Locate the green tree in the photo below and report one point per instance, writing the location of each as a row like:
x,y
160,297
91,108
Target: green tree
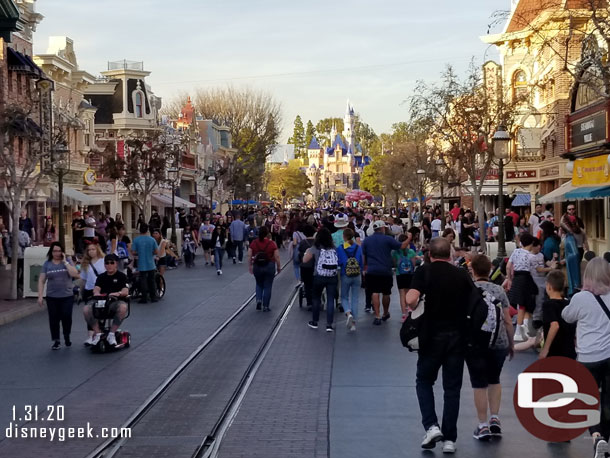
x,y
371,179
366,136
298,138
324,127
288,178
310,132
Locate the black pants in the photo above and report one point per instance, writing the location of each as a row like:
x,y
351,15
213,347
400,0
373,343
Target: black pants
x,y
307,277
446,350
601,372
147,285
60,310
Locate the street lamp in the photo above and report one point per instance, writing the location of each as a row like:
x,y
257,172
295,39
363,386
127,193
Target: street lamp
x,y
421,175
211,184
304,194
441,167
60,164
173,174
248,189
501,140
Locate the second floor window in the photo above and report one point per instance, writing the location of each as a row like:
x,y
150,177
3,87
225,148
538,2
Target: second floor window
x,y
520,90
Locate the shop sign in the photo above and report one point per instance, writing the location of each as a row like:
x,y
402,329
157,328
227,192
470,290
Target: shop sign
x,y
550,172
588,131
513,174
592,171
101,187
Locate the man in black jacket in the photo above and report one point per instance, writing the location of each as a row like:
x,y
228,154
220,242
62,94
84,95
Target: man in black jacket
x,y
442,340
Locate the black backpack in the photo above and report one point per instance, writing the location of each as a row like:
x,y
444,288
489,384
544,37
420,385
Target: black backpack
x,y
260,258
476,316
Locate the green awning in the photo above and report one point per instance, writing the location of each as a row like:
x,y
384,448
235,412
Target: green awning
x,y
597,192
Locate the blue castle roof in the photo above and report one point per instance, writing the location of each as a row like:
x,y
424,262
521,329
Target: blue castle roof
x,y
338,141
314,143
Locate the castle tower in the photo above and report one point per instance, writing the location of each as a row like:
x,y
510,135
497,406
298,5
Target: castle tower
x,y
313,152
348,128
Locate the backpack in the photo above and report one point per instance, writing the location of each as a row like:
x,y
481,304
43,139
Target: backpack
x,y
480,305
491,326
405,266
352,267
260,258
302,248
327,263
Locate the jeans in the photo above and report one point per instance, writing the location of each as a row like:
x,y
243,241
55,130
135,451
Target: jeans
x,y
147,284
353,284
239,244
319,283
60,310
264,282
445,350
297,271
601,373
218,254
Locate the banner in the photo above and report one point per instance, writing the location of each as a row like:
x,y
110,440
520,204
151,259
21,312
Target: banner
x,y
592,171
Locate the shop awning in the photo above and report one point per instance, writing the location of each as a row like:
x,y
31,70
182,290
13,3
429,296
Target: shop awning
x,y
557,195
521,200
74,197
492,189
588,193
166,201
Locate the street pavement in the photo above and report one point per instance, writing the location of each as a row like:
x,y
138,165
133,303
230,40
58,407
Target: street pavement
x,y
316,394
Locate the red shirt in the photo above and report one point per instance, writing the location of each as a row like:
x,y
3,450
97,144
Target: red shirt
x,y
455,212
268,246
515,218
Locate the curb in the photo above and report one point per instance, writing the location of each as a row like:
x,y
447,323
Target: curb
x,y
19,312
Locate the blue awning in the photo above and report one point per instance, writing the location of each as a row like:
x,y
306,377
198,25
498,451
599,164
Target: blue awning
x,y
521,200
597,192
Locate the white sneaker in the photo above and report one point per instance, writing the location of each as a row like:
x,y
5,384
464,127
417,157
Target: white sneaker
x,y
111,339
448,447
95,339
220,272
352,328
350,320
519,334
601,448
433,435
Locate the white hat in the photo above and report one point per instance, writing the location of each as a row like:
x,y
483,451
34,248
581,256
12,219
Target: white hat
x,y
341,220
378,224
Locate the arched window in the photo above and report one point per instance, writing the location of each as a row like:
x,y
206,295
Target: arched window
x,y
520,90
139,105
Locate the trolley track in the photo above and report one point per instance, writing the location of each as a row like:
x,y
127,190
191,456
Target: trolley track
x,y
207,447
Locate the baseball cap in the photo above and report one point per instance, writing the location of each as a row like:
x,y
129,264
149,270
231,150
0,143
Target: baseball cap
x,y
111,257
378,224
341,220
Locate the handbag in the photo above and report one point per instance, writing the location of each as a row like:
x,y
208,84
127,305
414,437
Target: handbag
x,y
409,331
411,327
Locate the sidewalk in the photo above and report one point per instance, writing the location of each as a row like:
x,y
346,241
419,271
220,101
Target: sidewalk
x,y
15,310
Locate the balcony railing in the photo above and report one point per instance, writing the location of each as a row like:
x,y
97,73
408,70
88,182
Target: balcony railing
x,y
126,65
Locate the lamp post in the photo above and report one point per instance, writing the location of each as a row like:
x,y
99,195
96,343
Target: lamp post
x,y
211,184
421,174
173,173
501,140
441,167
60,164
248,189
304,194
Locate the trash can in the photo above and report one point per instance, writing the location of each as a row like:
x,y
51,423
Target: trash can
x,y
33,259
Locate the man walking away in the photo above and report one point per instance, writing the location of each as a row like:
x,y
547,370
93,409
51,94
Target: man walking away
x,y
377,255
237,230
146,248
442,340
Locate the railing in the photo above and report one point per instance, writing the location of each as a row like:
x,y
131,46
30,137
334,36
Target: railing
x,y
528,158
125,65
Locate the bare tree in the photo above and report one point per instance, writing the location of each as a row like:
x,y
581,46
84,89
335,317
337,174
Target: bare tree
x,y
174,105
254,120
463,116
21,155
142,168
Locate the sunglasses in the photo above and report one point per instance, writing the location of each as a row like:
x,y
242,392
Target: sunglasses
x,y
109,262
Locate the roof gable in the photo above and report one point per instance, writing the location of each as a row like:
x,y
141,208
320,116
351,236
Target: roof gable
x,y
527,11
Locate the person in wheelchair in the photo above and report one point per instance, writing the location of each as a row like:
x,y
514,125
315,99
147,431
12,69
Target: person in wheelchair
x,y
110,283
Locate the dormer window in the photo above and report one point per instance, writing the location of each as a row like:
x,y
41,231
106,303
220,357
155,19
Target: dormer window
x,y
139,105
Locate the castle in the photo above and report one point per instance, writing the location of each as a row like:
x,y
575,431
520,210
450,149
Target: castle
x,y
336,169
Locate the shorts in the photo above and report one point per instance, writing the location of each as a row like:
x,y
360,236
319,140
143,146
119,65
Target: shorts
x,y
404,281
162,261
485,366
379,283
206,244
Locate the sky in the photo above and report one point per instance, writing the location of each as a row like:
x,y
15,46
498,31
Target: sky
x,y
311,56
